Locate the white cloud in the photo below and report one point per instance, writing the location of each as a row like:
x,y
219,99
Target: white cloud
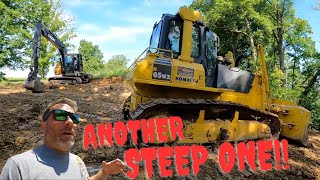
x,y
89,28
67,16
113,33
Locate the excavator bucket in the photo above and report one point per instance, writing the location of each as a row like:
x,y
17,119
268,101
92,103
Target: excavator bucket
x,y
35,85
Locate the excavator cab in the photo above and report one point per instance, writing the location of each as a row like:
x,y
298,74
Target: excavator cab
x,y
73,64
71,69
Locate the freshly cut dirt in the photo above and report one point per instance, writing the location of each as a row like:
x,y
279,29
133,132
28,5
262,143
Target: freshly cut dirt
x,y
101,101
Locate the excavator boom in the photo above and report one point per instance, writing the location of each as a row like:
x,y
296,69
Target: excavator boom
x,y
33,82
69,69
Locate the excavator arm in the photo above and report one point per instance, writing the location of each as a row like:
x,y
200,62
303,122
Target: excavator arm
x,y
33,81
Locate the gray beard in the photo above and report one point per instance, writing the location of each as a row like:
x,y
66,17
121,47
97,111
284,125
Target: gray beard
x,y
65,144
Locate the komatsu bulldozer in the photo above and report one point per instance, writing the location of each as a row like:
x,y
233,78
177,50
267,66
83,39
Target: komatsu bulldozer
x,y
70,66
182,75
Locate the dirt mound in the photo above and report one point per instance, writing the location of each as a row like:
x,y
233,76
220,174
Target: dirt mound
x,y
102,100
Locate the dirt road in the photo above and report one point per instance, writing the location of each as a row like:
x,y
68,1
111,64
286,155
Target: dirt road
x,y
101,101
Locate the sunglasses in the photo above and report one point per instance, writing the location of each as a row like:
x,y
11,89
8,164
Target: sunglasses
x,y
62,115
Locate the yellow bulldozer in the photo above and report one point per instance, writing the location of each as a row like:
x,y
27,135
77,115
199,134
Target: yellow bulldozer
x,y
182,75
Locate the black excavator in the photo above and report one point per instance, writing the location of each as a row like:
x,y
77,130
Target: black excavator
x,y
68,70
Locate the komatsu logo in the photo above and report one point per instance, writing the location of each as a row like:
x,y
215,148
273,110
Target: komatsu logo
x,y
185,79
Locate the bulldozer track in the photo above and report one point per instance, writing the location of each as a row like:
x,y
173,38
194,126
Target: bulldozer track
x,y
156,104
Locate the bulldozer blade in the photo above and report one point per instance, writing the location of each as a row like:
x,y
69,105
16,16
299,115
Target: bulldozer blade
x,y
295,121
36,86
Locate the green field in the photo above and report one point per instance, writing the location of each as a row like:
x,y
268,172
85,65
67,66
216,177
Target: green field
x,y
13,80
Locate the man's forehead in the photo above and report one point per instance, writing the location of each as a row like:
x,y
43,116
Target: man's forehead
x,y
62,106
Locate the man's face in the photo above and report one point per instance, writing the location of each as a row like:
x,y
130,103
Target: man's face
x,y
59,135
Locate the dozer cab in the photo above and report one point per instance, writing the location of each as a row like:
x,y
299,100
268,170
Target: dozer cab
x,y
182,75
70,66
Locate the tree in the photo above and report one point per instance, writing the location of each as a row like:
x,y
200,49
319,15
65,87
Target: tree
x,y
281,14
312,102
16,31
299,46
312,72
116,66
92,56
118,61
292,43
238,24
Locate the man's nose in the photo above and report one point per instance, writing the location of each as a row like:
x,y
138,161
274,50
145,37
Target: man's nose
x,y
69,122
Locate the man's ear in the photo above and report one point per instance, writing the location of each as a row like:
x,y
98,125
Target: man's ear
x,y
43,125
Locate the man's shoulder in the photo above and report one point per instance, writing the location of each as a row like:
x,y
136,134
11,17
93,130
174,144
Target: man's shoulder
x,y
23,156
78,160
76,157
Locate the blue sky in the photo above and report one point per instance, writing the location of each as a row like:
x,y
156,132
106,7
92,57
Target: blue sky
x,y
304,10
118,27
124,26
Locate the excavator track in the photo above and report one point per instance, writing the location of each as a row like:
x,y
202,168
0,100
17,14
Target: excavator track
x,y
187,107
65,80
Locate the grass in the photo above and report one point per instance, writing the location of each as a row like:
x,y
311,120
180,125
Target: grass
x,y
15,80
108,73
12,80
